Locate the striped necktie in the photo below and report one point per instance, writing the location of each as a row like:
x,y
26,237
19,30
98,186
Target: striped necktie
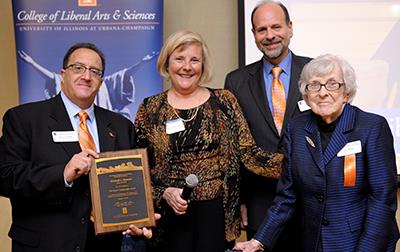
x,y
278,98
85,138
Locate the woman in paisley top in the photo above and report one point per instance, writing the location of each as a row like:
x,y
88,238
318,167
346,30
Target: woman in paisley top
x,y
190,129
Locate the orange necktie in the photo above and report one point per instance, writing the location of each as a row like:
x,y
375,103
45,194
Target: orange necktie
x,y
85,138
278,98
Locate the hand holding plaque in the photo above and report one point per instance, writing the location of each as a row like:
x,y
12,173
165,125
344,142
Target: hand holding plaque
x,y
121,191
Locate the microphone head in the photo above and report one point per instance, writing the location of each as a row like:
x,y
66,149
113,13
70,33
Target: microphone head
x,y
191,181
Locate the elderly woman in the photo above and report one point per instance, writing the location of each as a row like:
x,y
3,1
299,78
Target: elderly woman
x,y
190,129
339,170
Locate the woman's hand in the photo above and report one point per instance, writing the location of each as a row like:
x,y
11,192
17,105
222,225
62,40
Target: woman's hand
x,y
173,197
249,246
146,232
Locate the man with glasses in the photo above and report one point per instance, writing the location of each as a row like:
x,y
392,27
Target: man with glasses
x,y
44,162
253,87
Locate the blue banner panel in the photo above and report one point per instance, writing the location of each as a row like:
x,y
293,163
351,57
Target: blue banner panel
x,y
129,32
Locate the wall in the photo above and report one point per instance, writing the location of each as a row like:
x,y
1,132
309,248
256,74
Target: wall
x,y
216,21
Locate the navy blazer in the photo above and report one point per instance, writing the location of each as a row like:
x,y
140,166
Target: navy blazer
x,y
46,215
356,218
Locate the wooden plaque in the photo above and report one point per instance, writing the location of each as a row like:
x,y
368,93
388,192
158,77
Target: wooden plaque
x,y
121,191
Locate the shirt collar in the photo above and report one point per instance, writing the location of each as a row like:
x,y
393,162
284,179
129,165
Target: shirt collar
x,y
73,109
284,64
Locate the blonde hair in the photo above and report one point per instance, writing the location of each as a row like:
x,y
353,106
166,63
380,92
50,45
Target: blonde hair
x,y
179,41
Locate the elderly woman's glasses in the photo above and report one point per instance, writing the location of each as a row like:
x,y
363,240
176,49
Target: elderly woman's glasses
x,y
330,86
81,69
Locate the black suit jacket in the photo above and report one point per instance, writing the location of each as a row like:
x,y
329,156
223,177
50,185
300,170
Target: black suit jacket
x,y
47,216
248,85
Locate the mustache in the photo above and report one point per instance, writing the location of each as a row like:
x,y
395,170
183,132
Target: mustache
x,y
267,42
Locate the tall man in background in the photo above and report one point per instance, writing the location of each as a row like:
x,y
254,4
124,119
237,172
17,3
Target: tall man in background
x,y
44,159
268,94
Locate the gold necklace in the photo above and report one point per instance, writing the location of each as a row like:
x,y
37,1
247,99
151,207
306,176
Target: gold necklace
x,y
187,120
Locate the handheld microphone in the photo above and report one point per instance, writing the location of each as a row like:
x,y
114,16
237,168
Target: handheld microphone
x,y
191,182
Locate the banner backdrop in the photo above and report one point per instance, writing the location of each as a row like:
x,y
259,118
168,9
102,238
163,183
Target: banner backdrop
x,y
129,32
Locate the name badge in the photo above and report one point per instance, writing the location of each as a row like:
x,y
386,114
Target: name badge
x,y
174,126
303,106
350,170
350,148
64,136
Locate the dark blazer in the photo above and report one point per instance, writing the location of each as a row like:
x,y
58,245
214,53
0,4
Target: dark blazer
x,y
46,215
355,218
247,84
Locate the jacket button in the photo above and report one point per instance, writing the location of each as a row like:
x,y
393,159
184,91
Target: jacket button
x,y
83,220
325,222
77,248
320,198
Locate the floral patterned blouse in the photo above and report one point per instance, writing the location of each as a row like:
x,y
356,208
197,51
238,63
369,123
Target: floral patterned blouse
x,y
215,141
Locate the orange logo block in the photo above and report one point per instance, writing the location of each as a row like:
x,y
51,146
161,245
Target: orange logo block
x,y
87,2
124,210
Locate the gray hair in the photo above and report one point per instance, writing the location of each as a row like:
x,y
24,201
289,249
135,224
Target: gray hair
x,y
324,65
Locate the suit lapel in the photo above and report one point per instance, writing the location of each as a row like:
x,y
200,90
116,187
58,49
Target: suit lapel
x,y
294,94
59,121
339,138
313,140
257,88
107,135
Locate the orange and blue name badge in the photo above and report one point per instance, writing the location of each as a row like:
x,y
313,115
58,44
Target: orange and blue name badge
x,y
349,152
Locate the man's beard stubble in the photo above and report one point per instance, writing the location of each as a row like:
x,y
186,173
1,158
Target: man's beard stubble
x,y
272,54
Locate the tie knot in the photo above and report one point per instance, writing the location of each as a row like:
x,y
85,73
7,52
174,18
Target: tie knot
x,y
83,116
276,71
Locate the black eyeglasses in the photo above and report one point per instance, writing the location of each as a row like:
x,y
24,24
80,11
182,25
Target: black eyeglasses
x,y
81,69
330,86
